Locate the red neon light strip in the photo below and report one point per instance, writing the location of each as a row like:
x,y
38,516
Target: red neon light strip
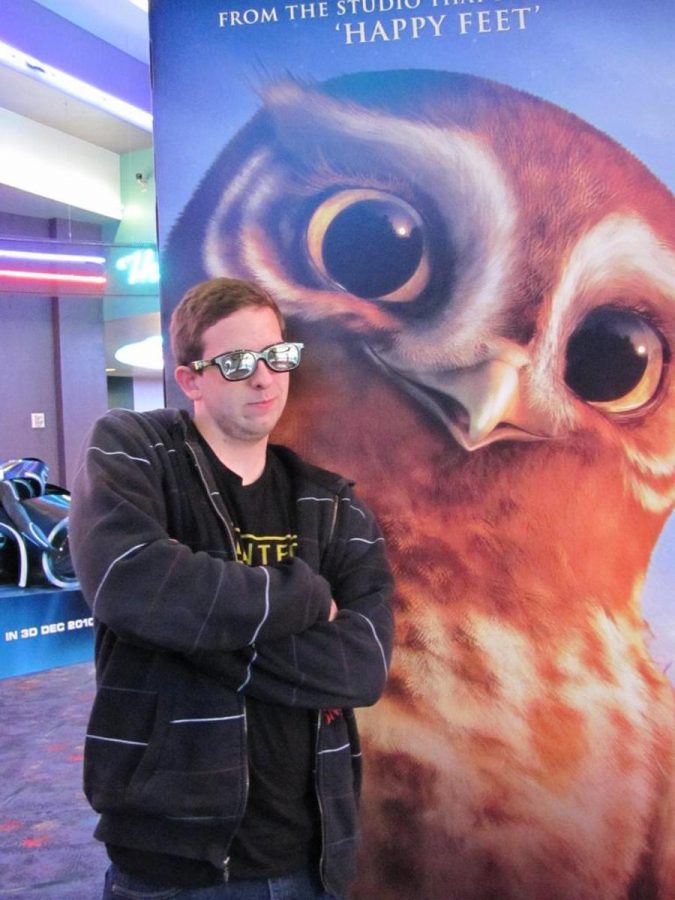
x,y
52,276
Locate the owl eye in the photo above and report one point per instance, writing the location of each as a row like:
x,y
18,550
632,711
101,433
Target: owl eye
x,y
371,244
616,360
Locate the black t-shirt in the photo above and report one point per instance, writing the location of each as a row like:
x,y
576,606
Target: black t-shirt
x,y
280,831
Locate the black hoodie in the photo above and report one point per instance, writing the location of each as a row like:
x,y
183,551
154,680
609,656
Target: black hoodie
x,y
184,633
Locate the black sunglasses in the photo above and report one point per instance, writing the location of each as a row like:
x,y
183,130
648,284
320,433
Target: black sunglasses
x,y
237,365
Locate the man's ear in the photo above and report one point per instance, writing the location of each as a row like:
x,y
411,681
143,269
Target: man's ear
x,y
188,381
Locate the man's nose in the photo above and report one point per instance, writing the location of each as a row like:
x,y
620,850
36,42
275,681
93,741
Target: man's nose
x,y
262,377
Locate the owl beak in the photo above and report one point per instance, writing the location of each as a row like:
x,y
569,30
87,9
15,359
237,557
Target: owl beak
x,y
490,406
479,404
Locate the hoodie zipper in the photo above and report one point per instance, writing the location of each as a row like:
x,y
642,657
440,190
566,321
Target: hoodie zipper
x,y
247,776
247,784
336,506
228,528
322,815
327,549
318,797
219,512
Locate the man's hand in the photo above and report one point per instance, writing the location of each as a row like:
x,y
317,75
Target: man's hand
x,y
333,611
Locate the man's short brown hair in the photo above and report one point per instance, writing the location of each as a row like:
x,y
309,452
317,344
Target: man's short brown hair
x,y
207,303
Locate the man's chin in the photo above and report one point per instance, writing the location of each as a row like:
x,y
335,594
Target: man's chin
x,y
257,431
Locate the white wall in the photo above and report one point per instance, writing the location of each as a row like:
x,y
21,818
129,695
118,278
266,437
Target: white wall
x,y
43,161
148,393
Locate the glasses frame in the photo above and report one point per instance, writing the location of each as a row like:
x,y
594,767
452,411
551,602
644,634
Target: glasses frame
x,y
200,364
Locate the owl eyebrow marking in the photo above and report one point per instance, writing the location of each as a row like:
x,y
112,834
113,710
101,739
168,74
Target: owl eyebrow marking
x,y
661,466
651,499
605,263
456,168
241,182
213,251
606,259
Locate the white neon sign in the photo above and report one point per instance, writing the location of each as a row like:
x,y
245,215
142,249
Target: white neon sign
x,y
139,267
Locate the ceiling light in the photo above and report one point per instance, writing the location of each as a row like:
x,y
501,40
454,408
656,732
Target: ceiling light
x,y
52,268
145,354
30,255
56,277
68,84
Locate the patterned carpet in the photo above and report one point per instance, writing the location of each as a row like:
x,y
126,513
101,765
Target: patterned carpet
x,y
47,851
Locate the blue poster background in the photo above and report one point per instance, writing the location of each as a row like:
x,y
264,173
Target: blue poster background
x,y
610,63
525,745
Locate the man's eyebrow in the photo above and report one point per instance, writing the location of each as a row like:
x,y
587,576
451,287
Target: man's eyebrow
x,y
251,350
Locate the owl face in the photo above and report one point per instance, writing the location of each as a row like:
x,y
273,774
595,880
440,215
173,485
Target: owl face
x,y
510,269
485,286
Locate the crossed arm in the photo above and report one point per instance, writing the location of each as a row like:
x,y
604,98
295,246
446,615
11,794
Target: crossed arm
x,y
340,663
266,631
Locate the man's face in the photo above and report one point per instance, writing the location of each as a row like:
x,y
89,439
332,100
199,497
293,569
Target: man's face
x,y
239,411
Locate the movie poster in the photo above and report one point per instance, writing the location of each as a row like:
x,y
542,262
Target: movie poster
x,y
464,209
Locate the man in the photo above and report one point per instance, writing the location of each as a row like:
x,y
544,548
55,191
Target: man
x,y
241,604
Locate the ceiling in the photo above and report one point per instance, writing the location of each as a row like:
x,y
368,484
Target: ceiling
x,y
42,103
121,25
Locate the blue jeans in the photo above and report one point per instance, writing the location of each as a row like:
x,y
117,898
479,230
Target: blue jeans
x,y
303,885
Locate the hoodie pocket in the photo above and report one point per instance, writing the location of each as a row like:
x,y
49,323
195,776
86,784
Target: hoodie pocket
x,y
120,731
200,770
149,754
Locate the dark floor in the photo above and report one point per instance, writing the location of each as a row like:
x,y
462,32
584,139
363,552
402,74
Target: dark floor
x,y
46,825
